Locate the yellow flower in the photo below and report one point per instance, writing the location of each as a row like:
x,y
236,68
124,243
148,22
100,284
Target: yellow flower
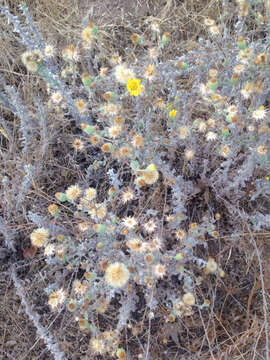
x,y
173,113
134,87
151,167
149,175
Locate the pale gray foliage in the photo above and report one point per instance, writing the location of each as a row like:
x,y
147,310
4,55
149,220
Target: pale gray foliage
x,y
50,341
8,234
128,305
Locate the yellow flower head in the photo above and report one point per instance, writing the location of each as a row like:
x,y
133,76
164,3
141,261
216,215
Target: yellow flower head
x,y
173,113
150,174
134,87
151,167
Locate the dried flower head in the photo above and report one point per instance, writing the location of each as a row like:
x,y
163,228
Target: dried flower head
x,y
180,234
140,181
189,299
81,106
263,129
211,122
121,354
94,140
115,59
57,298
79,287
155,245
118,120
114,131
261,59
125,151
70,53
202,126
211,136
150,73
123,74
149,258
137,141
150,226
203,89
182,309
83,226
159,271
107,147
78,144
101,211
251,128
135,38
225,150
73,192
214,30
129,222
213,73
98,345
127,195
183,132
32,59
153,53
39,237
134,244
247,90
211,266
189,154
57,97
103,71
262,150
238,69
209,22
243,7
259,114
53,209
110,109
49,51
232,110
117,275
49,250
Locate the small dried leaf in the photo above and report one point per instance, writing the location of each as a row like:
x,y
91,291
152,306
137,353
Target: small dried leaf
x,y
30,253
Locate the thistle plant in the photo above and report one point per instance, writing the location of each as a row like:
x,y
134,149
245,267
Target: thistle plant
x,y
181,157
